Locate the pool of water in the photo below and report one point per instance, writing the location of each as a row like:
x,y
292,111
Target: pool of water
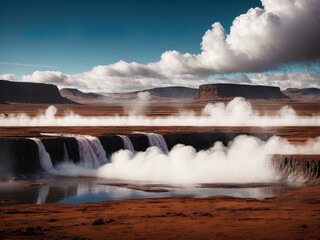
x,y
88,190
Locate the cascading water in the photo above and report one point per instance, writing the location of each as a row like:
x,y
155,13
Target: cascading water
x,y
127,143
239,161
158,141
98,149
66,155
92,154
44,158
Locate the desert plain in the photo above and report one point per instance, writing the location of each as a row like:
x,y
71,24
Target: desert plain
x,y
291,213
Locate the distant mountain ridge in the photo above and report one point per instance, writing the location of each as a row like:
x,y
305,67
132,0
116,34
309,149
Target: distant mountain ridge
x,y
77,93
172,92
222,91
27,92
40,93
310,93
81,97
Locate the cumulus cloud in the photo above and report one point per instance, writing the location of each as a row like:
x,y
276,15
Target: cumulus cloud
x,y
282,31
7,76
282,80
54,77
289,80
124,69
95,80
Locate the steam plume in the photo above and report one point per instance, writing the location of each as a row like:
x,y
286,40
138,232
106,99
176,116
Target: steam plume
x,y
246,159
237,112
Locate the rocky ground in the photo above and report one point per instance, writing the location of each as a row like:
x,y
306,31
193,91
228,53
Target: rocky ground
x,y
293,134
292,215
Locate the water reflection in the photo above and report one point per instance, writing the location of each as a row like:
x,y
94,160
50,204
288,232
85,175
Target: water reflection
x,y
43,194
84,190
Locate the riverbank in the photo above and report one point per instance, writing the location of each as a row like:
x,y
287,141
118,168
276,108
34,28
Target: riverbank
x,y
291,215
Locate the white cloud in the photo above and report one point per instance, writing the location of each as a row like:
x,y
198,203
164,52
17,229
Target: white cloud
x,y
282,31
124,69
54,77
7,76
95,80
282,80
290,80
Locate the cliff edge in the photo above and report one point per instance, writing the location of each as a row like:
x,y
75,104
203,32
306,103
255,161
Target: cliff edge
x,y
26,92
222,91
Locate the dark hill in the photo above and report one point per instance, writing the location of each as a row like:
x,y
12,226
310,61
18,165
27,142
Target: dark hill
x,y
172,92
223,91
78,96
72,92
309,93
27,92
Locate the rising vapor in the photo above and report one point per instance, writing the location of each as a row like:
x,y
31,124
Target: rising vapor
x,y
245,160
237,112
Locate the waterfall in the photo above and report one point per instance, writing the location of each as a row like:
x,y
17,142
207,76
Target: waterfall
x,y
92,154
158,141
127,143
44,158
98,149
66,157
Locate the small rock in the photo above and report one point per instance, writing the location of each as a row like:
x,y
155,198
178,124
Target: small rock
x,y
110,220
98,222
207,214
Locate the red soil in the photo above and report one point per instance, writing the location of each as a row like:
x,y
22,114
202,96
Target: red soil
x,y
292,215
293,134
157,108
161,108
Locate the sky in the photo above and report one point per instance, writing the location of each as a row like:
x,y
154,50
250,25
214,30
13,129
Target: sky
x,y
122,45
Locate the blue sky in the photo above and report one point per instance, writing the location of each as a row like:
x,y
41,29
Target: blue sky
x,y
73,37
78,35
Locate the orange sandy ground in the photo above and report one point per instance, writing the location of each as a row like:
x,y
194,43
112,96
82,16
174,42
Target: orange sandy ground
x,y
293,134
157,108
292,215
160,108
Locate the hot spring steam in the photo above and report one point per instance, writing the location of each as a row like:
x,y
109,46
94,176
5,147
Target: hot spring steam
x,y
237,112
246,159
